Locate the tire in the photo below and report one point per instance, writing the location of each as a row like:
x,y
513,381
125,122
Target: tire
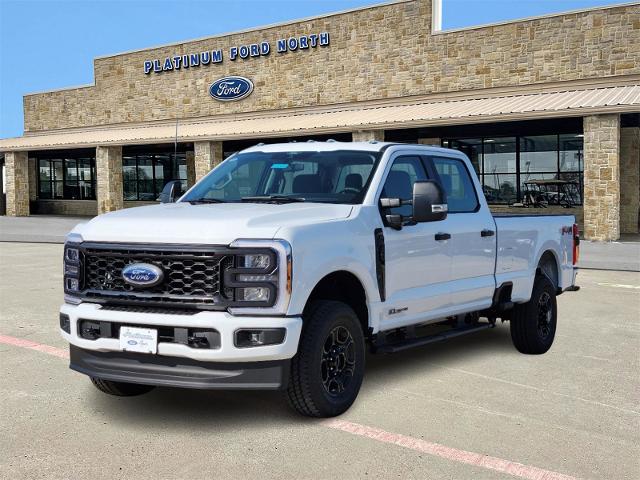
x,y
120,389
533,324
327,372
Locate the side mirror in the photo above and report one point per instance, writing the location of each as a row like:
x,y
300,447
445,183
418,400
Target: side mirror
x,y
394,220
171,191
429,201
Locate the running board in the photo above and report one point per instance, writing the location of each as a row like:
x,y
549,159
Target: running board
x,y
420,341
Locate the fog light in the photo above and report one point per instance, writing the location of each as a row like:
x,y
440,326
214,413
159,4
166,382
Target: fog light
x,y
254,294
90,330
65,323
259,337
73,284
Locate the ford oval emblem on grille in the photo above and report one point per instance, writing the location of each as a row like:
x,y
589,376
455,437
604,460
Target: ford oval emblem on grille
x,y
142,275
228,89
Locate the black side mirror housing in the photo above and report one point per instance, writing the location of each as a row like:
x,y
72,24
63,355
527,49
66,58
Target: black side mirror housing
x,y
429,201
171,192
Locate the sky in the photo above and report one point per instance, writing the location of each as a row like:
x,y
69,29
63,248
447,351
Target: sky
x,y
50,44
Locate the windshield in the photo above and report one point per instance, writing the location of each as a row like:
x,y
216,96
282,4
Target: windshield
x,y
325,177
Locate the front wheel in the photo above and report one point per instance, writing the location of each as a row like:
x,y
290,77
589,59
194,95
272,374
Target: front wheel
x,y
327,371
533,324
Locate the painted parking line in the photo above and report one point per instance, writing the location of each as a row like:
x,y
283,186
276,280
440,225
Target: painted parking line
x,y
461,456
619,285
442,451
40,347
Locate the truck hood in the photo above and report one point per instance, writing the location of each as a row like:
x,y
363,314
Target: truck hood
x,y
219,223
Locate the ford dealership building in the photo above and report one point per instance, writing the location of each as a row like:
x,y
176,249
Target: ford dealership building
x,y
547,108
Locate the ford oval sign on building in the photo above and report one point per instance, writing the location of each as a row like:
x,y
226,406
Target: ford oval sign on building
x,y
142,275
228,89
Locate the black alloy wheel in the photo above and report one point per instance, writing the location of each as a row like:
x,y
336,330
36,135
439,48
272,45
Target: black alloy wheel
x,y
328,369
545,315
533,324
338,361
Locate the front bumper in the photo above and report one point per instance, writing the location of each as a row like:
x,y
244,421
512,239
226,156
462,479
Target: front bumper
x,y
225,323
180,372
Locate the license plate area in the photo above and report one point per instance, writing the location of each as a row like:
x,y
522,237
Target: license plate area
x,y
136,339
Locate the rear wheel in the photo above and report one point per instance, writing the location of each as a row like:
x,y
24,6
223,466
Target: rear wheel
x,y
120,389
533,324
327,371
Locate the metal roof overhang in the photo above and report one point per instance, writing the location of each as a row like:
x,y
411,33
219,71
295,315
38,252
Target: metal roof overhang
x,y
423,113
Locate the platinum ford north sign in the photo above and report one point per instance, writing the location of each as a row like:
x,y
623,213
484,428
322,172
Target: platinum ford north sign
x,y
244,52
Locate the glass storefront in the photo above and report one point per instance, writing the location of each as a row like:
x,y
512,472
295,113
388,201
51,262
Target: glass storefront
x,y
536,168
146,171
66,175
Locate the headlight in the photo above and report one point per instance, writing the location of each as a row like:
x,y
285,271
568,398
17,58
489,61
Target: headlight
x,y
254,294
254,279
72,255
257,278
261,279
255,260
72,269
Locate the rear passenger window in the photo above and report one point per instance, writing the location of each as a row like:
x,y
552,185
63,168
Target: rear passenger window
x,y
456,180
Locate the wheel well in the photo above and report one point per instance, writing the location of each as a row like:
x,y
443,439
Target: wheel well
x,y
549,266
344,287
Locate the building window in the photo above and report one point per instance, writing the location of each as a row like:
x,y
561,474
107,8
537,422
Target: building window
x,y
145,174
499,171
537,169
66,176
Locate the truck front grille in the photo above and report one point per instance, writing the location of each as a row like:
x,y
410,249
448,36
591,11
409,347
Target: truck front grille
x,y
190,276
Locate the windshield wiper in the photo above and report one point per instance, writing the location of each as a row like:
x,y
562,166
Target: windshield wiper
x,y
205,200
273,199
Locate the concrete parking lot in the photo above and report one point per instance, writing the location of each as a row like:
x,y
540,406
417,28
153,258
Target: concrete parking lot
x,y
472,407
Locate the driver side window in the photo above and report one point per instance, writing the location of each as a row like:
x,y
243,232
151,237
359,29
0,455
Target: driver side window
x,y
399,184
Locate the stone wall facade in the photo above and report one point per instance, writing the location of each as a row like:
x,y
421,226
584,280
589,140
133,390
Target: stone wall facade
x,y
79,208
629,179
368,136
191,168
430,141
109,182
382,52
207,156
17,183
602,177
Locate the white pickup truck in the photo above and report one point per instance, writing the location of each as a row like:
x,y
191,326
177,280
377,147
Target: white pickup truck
x,y
283,265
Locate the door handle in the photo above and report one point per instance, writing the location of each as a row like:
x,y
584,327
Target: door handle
x,y
442,236
487,233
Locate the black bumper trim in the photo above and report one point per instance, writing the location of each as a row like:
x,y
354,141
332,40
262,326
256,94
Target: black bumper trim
x,y
180,372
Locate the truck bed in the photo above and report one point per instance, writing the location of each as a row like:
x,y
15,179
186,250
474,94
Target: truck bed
x,y
522,239
507,215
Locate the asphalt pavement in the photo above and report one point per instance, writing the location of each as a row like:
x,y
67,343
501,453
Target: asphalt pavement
x,y
469,408
38,228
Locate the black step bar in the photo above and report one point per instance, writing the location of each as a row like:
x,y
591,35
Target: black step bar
x,y
420,341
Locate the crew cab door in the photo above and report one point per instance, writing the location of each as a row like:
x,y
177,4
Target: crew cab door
x,y
417,264
473,236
